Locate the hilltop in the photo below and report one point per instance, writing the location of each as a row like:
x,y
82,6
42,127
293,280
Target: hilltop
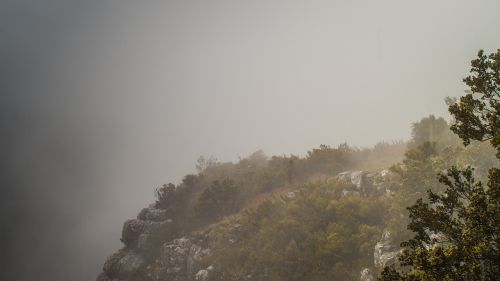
x,y
336,214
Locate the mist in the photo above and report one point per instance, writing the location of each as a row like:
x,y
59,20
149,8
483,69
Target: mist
x,y
103,101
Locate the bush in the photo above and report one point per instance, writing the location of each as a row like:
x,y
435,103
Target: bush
x,y
165,195
222,198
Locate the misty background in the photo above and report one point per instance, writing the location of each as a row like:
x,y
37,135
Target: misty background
x,y
102,101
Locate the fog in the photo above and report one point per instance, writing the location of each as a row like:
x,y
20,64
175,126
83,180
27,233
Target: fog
x,y
102,101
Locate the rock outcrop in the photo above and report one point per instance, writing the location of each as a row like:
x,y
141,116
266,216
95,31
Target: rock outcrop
x,y
180,261
139,236
366,275
176,260
386,252
365,183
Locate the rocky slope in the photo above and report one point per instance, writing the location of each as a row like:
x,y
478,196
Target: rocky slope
x,y
182,258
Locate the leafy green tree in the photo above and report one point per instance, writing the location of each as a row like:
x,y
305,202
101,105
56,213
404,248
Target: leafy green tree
x,y
477,115
416,173
317,235
330,161
165,195
457,233
220,199
431,129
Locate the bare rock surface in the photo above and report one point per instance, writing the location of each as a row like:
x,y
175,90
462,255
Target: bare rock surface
x,y
153,214
365,183
180,261
130,262
386,253
366,275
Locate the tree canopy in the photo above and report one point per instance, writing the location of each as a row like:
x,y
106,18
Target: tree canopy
x,y
457,230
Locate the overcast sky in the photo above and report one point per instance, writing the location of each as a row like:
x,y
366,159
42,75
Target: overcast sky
x,y
102,101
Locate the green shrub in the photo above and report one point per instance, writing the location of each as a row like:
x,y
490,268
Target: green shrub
x,y
222,198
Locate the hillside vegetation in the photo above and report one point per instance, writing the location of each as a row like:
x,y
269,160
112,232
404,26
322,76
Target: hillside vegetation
x,y
296,218
339,213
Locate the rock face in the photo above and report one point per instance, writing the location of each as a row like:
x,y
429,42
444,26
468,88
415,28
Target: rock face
x,y
202,275
138,235
386,252
180,261
137,232
153,214
366,275
364,183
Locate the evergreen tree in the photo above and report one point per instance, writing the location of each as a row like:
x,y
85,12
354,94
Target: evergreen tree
x,y
457,230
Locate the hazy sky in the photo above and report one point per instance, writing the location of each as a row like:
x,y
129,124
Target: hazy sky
x,y
101,101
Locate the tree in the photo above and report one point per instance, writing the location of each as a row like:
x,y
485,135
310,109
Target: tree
x,y
430,129
416,173
204,163
165,195
222,198
477,115
457,232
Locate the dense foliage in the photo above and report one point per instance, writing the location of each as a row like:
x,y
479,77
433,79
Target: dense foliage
x,y
315,233
220,199
477,115
336,234
223,188
457,230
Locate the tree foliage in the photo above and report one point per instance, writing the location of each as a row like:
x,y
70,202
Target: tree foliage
x,y
433,130
477,115
319,234
415,174
165,195
457,230
222,198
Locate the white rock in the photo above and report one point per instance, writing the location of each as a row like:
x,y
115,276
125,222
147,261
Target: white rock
x,y
201,275
385,252
366,275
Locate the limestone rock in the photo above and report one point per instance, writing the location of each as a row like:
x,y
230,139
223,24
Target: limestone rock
x,y
133,228
386,253
153,214
202,275
366,183
139,236
366,275
122,264
179,260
